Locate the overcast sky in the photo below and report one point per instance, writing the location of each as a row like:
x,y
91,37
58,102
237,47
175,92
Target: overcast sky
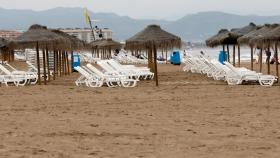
x,y
159,9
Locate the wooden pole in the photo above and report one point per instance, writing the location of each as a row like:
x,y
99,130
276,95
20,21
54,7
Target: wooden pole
x,y
233,57
166,56
59,62
252,62
268,61
228,54
72,54
150,60
260,60
54,64
38,63
44,67
68,64
155,64
277,62
65,63
48,64
238,55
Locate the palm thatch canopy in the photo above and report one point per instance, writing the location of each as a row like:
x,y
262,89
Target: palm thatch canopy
x,y
268,38
259,32
244,30
44,37
3,42
153,35
75,43
223,37
106,44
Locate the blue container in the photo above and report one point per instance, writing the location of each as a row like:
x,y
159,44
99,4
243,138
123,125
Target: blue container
x,y
223,56
76,61
175,58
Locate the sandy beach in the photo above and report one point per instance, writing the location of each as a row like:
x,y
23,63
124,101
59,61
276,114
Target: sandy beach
x,y
188,115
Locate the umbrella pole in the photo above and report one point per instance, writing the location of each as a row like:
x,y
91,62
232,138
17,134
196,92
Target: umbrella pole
x,y
166,56
238,47
54,64
252,51
228,54
260,60
150,59
48,64
233,60
58,63
68,64
277,62
268,61
72,54
38,63
64,63
155,64
44,67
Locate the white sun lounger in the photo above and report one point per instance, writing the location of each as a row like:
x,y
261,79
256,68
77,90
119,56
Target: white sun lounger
x,y
32,76
111,78
142,72
87,79
248,75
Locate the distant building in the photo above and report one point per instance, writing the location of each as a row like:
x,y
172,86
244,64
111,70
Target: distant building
x,y
85,34
9,34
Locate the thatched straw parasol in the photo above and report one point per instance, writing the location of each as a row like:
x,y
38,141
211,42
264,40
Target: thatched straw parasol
x,y
238,32
224,37
267,37
153,38
40,35
106,43
3,42
153,34
75,43
3,48
106,46
245,40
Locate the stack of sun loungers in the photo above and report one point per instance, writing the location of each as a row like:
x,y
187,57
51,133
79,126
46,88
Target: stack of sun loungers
x,y
88,58
112,74
11,76
126,58
225,72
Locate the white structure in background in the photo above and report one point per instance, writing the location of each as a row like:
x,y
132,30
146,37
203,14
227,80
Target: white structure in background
x,y
10,34
85,34
31,57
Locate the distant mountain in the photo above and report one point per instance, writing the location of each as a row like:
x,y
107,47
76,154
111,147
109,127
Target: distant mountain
x,y
203,25
194,27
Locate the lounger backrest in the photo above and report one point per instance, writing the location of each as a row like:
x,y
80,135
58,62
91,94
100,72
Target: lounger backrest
x,y
3,69
31,65
231,67
82,71
11,67
114,64
95,70
105,66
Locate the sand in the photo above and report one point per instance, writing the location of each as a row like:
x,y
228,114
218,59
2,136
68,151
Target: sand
x,y
189,115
